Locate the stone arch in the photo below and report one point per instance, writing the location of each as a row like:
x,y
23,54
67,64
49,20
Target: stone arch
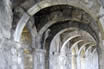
x,y
61,53
62,31
89,48
38,7
74,29
65,29
87,43
53,53
76,43
21,24
92,57
70,38
94,51
44,4
52,23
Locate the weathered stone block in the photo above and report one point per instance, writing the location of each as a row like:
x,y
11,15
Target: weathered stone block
x,y
5,18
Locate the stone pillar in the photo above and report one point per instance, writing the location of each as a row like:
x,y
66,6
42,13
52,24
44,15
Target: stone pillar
x,y
91,62
64,59
10,55
61,61
95,60
17,56
74,61
78,62
82,60
39,59
101,45
20,52
87,62
5,18
64,62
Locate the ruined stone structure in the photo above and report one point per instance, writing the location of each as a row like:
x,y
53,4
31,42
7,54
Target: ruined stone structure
x,y
51,34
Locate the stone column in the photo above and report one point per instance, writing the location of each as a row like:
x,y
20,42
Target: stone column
x,y
82,60
64,59
17,56
5,18
14,57
61,58
78,62
64,62
91,62
74,61
20,52
101,44
95,60
10,55
87,62
39,59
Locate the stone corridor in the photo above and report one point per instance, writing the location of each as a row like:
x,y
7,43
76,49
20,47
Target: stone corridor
x,y
51,34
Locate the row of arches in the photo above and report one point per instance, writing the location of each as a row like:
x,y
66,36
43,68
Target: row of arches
x,y
72,48
74,57
57,46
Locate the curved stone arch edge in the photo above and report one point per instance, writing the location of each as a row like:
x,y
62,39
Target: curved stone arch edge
x,y
44,4
61,32
83,46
